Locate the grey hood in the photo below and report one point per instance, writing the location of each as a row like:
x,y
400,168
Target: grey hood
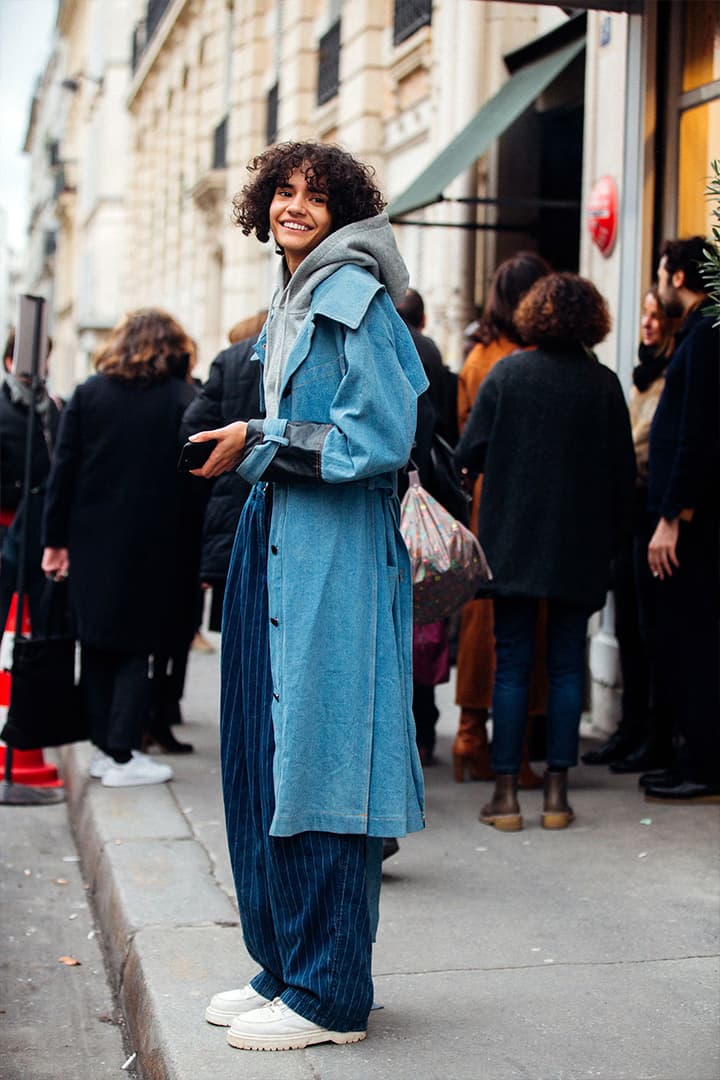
x,y
369,244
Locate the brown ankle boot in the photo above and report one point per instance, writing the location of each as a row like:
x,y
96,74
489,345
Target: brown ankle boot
x,y
503,810
470,750
557,812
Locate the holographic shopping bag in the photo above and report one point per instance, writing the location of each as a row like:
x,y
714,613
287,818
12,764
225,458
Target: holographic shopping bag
x,y
446,561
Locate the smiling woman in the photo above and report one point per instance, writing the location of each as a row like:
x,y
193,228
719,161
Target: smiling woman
x,y
299,218
317,736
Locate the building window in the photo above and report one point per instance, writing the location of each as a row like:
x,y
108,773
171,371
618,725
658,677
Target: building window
x,y
699,128
329,64
219,160
271,115
410,15
155,12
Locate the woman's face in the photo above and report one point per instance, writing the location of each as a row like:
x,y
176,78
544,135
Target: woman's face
x,y
652,321
299,218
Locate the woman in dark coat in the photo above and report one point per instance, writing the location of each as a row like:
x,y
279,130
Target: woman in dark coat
x,y
550,432
112,522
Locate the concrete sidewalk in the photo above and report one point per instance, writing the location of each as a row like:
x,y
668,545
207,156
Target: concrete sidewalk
x,y
587,953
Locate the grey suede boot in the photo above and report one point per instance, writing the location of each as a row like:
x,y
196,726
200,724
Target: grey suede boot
x,y
557,812
503,810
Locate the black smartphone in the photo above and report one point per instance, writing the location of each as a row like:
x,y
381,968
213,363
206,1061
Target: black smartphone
x,y
194,455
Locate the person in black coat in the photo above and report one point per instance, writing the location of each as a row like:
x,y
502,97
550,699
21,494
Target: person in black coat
x,y
684,509
232,392
443,382
15,502
550,431
112,523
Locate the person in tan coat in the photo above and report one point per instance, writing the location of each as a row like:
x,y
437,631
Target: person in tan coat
x,y
476,655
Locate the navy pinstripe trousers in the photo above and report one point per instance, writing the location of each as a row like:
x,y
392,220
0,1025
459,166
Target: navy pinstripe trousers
x,y
303,899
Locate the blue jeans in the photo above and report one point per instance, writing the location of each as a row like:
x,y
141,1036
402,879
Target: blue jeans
x,y
305,901
515,620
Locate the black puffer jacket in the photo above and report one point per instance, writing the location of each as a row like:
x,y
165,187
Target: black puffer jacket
x,y
230,393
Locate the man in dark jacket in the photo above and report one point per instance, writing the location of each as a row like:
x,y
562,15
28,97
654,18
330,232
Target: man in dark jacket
x,y
443,382
684,500
230,393
15,399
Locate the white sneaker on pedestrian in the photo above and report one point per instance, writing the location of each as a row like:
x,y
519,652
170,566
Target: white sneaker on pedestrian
x,y
224,1007
140,769
99,765
278,1027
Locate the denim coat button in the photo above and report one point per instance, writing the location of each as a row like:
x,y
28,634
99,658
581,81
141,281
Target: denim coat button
x,y
274,549
274,622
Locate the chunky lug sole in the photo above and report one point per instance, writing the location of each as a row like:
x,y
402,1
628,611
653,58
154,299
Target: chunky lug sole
x,y
503,822
557,819
293,1042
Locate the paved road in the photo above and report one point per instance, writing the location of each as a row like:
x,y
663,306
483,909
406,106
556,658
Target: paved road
x,y
58,1022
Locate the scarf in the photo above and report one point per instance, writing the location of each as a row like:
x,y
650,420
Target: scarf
x,y
649,367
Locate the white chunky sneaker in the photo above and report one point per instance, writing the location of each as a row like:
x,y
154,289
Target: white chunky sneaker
x,y
140,769
278,1027
224,1007
99,765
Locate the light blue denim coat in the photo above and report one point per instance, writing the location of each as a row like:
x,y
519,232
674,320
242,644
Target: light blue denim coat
x,y
339,588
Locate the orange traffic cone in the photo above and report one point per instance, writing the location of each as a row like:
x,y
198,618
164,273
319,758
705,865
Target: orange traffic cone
x,y
28,766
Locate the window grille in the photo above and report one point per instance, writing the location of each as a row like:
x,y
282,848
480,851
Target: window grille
x,y
410,15
219,159
271,115
155,12
329,64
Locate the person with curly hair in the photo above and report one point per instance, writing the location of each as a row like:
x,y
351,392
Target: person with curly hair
x,y
318,751
496,337
113,525
550,432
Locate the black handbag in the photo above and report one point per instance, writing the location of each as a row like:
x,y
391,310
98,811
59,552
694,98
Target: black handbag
x,y
444,483
45,707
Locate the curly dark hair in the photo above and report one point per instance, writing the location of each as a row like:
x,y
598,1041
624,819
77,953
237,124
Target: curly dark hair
x,y
146,344
348,183
563,311
510,282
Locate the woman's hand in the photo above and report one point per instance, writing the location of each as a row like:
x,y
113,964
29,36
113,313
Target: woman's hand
x,y
227,453
662,549
56,563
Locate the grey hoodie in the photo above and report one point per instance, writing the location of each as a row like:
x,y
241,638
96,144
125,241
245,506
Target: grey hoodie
x,y
370,244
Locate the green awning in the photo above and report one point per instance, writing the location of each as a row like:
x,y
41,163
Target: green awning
x,y
495,117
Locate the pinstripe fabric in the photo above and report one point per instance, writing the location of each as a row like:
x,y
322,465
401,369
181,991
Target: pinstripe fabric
x,y
303,899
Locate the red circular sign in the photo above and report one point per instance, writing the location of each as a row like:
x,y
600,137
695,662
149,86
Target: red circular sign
x,y
602,214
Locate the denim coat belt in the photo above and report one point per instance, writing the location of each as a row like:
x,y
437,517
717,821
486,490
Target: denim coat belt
x,y
339,589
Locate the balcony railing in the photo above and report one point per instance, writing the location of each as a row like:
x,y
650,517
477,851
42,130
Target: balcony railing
x,y
410,15
271,115
219,160
329,64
